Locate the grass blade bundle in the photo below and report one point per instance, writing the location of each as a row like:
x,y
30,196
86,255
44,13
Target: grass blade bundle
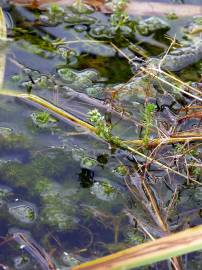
x,y
158,250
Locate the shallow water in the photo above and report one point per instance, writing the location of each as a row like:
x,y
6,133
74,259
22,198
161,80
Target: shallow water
x,y
60,186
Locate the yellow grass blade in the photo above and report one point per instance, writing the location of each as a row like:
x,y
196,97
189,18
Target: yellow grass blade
x,y
158,250
169,140
37,101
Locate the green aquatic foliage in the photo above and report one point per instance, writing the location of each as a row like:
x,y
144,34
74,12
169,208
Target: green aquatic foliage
x,y
57,207
53,15
120,170
23,211
57,215
69,55
43,119
134,236
104,191
31,37
11,140
151,25
102,128
80,7
95,91
88,163
36,173
56,9
148,121
75,19
171,16
79,80
197,172
119,17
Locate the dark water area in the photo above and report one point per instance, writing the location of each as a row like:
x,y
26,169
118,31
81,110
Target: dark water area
x,y
63,189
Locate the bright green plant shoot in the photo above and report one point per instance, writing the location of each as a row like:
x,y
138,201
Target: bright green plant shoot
x,y
119,16
102,128
148,119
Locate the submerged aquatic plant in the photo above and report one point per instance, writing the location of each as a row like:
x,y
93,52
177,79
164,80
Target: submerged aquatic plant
x,y
104,191
43,119
148,119
103,129
119,16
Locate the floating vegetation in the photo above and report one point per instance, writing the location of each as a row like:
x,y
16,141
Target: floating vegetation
x,y
78,80
23,211
151,25
100,140
88,163
43,119
103,191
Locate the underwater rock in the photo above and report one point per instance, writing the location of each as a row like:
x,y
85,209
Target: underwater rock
x,y
104,191
151,25
24,212
43,120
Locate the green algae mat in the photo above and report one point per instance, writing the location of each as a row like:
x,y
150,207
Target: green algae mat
x,y
100,135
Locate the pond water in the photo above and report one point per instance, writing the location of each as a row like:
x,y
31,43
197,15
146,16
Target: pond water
x,y
66,195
